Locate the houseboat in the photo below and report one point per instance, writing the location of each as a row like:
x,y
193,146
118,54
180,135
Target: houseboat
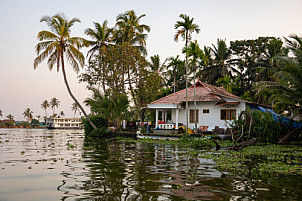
x,y
64,123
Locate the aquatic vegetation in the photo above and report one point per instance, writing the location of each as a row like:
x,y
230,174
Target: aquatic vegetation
x,y
277,159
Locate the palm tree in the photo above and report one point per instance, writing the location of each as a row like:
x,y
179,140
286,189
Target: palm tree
x,y
10,117
54,103
56,44
130,30
61,114
44,106
287,85
102,36
38,117
28,113
75,108
1,115
187,27
157,67
195,53
173,68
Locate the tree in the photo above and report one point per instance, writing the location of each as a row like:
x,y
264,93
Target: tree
x,y
61,114
74,108
54,103
102,36
287,84
44,106
176,70
28,113
185,29
129,30
57,44
1,115
10,117
195,53
157,67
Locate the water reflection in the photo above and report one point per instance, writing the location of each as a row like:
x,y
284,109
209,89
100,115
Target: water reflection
x,y
63,165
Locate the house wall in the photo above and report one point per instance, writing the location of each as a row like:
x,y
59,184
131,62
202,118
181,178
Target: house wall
x,y
210,119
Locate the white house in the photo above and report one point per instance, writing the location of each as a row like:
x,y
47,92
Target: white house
x,y
215,106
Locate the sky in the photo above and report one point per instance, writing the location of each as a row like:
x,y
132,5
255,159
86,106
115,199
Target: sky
x,y
23,87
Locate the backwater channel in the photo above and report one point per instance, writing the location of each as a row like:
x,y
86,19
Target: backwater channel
x,y
40,164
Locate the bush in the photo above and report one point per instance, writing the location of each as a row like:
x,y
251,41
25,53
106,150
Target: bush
x,y
99,122
260,125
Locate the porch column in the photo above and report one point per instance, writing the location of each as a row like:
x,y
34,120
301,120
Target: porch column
x,y
156,118
163,115
166,116
176,123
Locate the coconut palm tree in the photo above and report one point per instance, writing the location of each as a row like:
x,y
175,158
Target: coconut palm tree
x,y
54,103
101,38
57,44
287,85
185,29
157,67
129,30
194,52
75,108
28,113
44,106
1,115
10,117
61,114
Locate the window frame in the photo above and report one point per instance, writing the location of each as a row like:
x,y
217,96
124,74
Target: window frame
x,y
206,111
191,115
228,114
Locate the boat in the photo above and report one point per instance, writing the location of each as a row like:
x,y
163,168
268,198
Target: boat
x,y
64,123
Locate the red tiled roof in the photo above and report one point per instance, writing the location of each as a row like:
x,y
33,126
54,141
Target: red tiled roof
x,y
204,92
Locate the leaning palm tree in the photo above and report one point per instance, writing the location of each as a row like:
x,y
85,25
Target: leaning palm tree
x,y
75,108
195,53
44,106
54,103
57,44
185,29
28,114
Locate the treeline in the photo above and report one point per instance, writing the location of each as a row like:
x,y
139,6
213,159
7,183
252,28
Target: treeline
x,y
266,70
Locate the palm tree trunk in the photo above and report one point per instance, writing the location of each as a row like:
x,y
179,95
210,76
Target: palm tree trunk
x,y
187,103
72,96
195,100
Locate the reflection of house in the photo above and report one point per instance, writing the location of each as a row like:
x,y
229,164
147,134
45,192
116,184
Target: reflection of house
x,y
64,123
215,106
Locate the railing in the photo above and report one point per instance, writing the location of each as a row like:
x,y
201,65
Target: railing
x,y
166,126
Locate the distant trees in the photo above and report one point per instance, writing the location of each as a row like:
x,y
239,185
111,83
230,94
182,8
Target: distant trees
x,y
28,114
54,103
44,106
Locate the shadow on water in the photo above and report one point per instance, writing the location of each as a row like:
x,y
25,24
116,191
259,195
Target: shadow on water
x,y
66,166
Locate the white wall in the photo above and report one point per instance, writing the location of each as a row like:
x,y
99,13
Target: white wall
x,y
211,119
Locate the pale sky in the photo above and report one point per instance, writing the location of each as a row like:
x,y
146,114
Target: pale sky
x,y
21,86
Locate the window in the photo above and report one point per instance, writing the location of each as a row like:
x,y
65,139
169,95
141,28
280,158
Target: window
x,y
228,114
206,111
192,119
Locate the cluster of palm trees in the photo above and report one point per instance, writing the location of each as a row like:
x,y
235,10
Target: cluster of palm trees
x,y
117,63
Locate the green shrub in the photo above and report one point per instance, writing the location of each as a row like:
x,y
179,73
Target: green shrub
x,y
99,122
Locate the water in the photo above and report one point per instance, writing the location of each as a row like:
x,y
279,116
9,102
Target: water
x,y
63,165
